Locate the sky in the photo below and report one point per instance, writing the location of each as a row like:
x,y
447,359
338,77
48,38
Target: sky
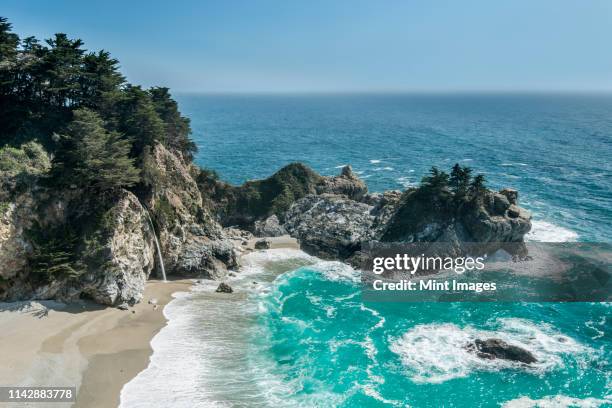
x,y
340,46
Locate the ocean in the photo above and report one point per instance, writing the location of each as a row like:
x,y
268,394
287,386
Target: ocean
x,y
299,335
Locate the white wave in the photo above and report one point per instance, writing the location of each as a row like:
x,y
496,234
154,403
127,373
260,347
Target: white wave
x,y
543,231
406,182
375,161
337,271
258,258
383,168
557,401
340,166
195,360
171,376
434,353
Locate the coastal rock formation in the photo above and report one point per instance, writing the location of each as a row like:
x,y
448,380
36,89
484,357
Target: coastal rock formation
x,y
111,266
224,288
253,205
64,244
347,184
270,227
496,348
335,225
262,244
330,226
123,264
193,243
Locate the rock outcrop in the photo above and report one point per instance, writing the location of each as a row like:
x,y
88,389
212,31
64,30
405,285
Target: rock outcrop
x,y
193,242
496,348
109,263
258,205
270,227
330,226
64,244
347,184
336,225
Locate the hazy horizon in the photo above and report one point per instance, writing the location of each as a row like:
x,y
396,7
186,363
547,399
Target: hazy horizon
x,y
341,47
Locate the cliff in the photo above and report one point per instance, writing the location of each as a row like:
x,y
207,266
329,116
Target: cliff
x,y
64,244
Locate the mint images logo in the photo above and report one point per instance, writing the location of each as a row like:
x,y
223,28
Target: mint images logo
x,y
492,272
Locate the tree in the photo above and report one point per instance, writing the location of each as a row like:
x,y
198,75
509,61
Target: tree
x,y
437,180
138,119
97,158
477,187
177,126
100,82
460,180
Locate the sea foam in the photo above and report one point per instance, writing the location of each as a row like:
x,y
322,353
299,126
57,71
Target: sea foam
x,y
543,231
435,353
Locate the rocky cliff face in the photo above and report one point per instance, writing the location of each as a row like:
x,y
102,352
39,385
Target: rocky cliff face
x,y
66,245
193,242
109,264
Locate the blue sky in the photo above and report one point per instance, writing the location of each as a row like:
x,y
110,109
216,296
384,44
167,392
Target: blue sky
x,y
331,46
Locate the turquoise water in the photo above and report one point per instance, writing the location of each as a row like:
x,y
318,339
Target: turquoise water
x,y
296,332
316,335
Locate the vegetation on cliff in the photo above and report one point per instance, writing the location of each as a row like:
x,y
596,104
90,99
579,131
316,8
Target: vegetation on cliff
x,y
69,99
73,134
439,199
258,199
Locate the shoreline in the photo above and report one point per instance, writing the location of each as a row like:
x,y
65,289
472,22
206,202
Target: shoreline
x,y
97,349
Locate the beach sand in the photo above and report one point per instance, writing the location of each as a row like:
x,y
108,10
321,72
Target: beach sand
x,y
96,349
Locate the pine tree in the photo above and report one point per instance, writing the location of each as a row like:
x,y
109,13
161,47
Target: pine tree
x,y
436,180
98,159
477,187
460,180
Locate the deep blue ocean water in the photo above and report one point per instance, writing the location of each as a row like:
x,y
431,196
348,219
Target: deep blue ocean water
x,y
297,334
555,149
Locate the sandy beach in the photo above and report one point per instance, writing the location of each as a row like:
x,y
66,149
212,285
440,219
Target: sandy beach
x,y
96,349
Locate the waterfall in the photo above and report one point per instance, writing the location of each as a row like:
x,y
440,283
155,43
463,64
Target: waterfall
x,y
159,254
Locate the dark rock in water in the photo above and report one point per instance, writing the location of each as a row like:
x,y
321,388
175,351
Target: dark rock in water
x,y
224,288
263,244
496,348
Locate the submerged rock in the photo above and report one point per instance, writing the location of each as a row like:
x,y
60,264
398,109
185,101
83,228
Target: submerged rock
x,y
496,348
224,288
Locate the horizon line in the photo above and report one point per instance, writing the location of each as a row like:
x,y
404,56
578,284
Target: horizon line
x,y
402,92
